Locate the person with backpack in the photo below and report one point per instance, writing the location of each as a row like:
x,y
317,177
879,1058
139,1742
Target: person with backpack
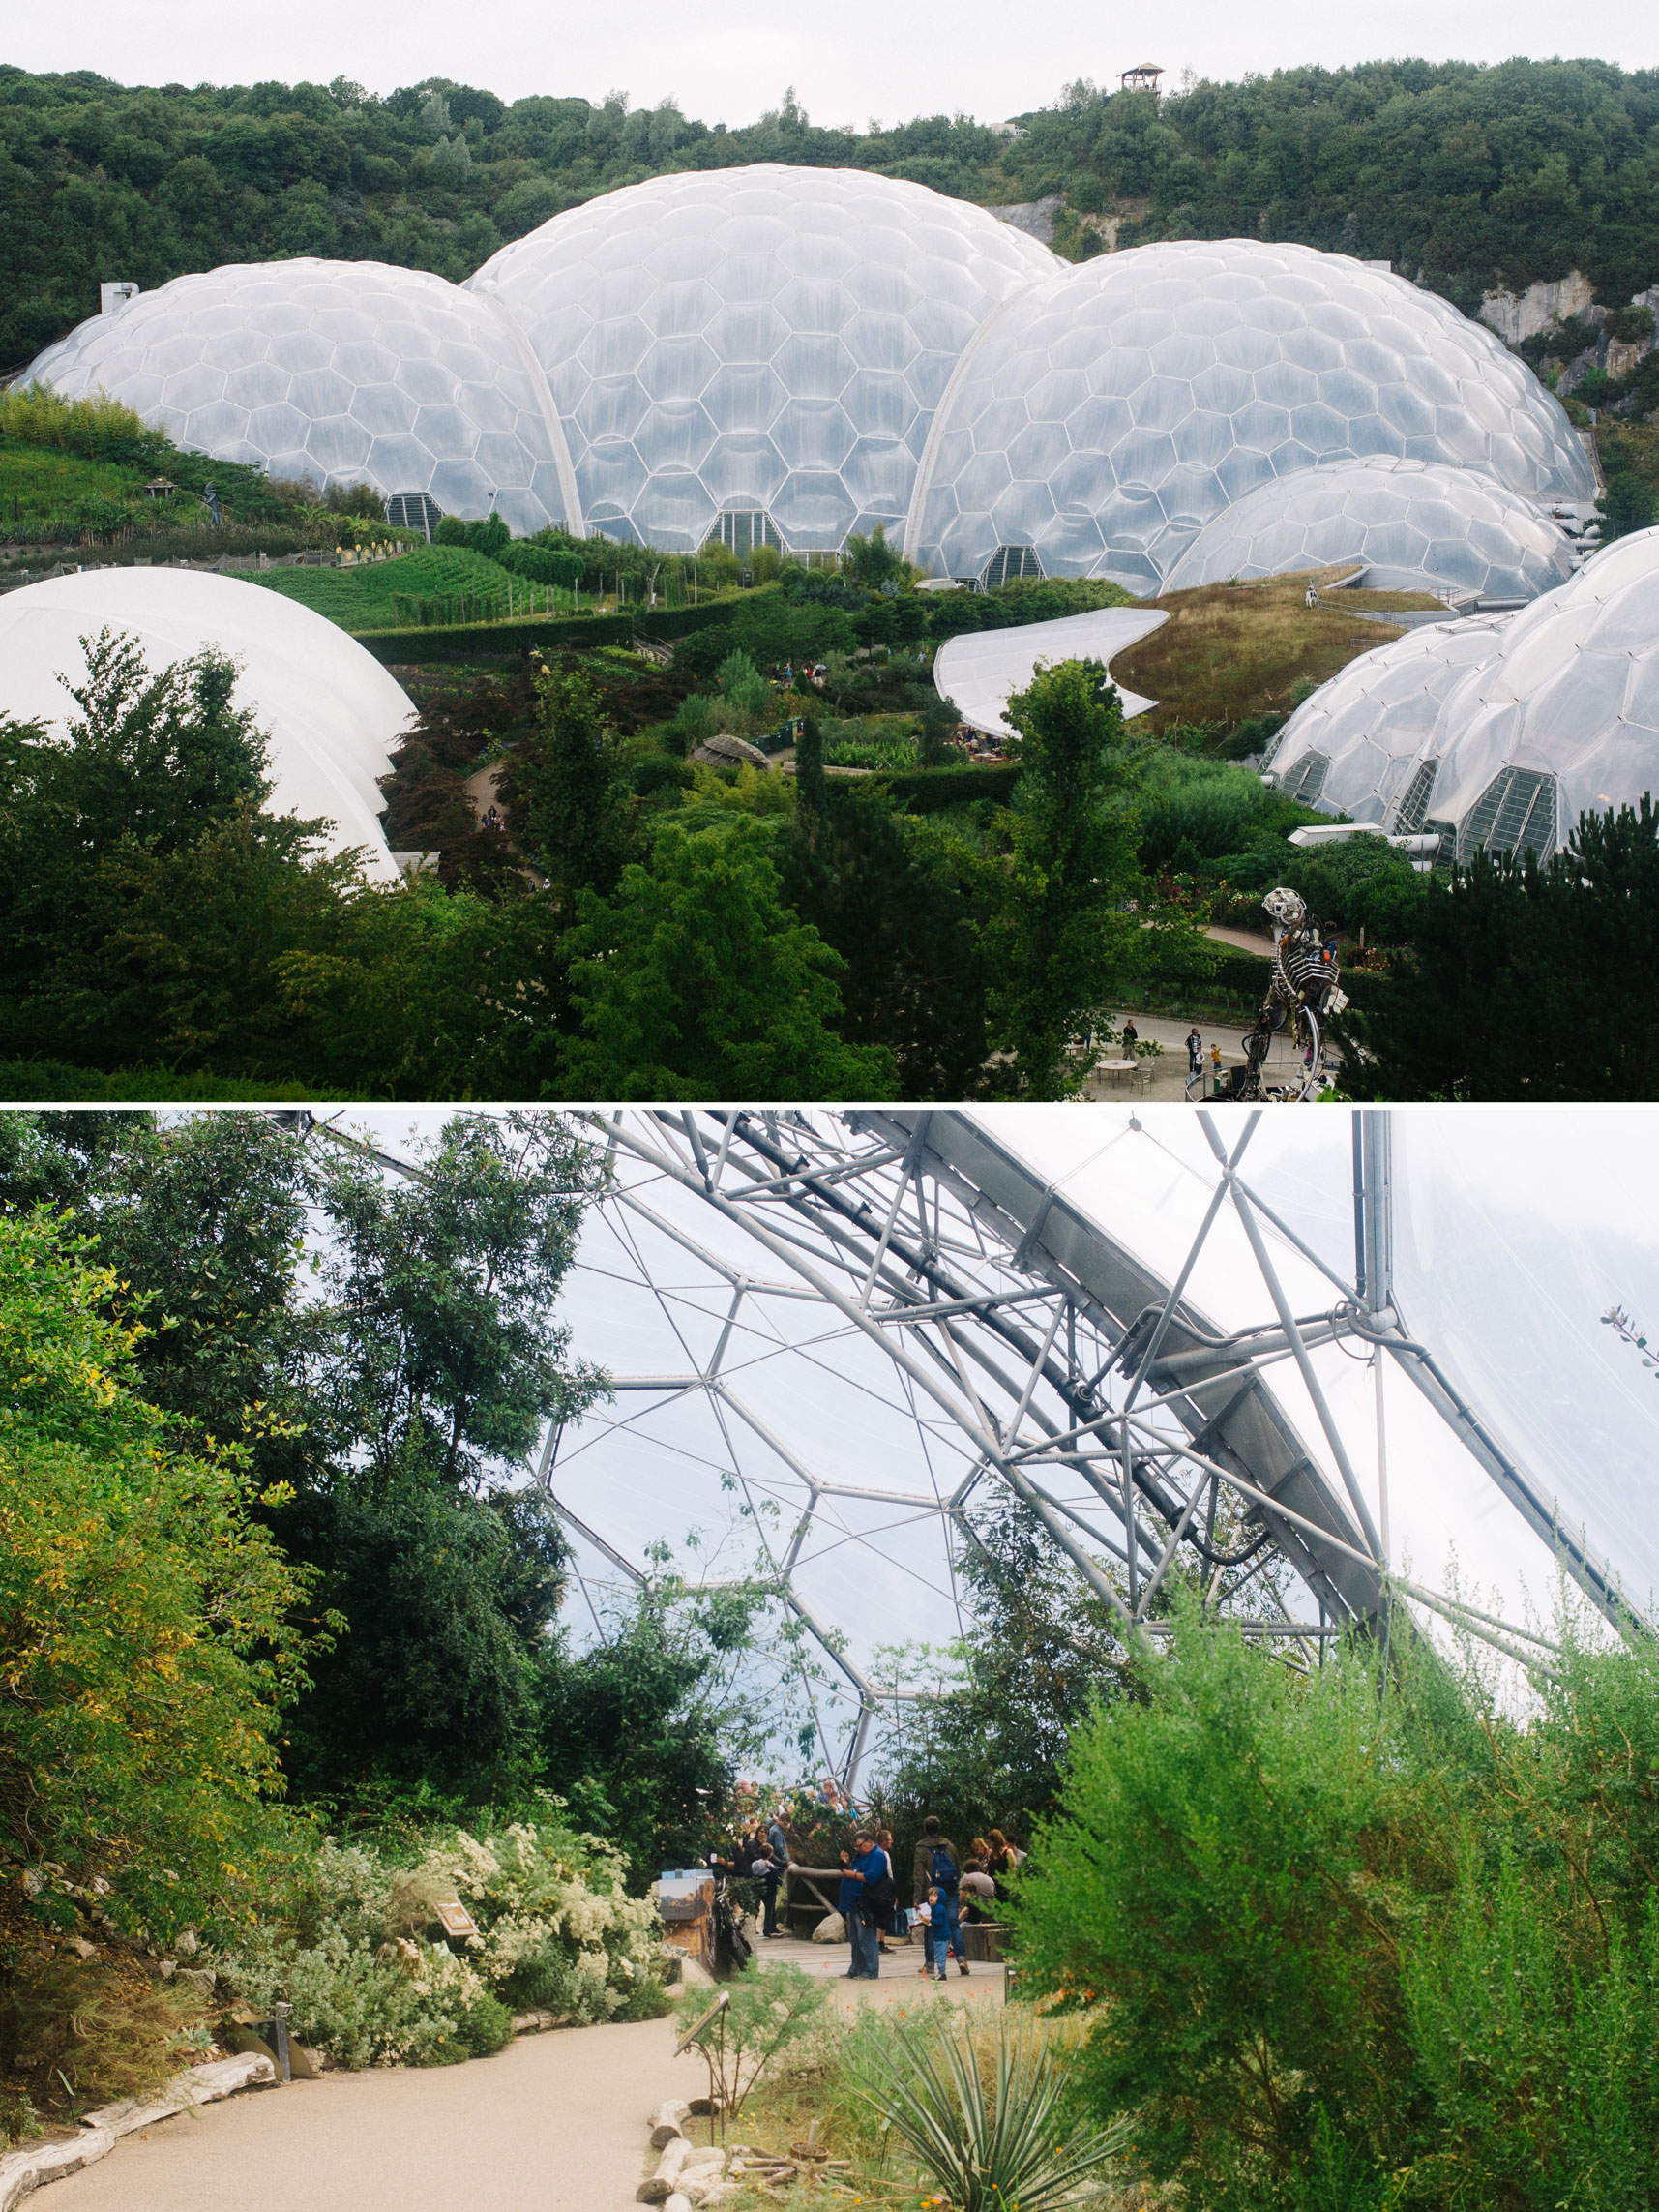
x,y
935,1865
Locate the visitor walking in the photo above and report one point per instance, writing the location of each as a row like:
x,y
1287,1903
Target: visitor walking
x,y
1131,1036
1194,1059
935,1865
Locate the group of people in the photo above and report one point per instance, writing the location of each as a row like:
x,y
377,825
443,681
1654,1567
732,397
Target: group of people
x,y
759,1855
947,1889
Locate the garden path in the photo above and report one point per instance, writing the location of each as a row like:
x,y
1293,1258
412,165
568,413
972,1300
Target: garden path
x,y
554,2123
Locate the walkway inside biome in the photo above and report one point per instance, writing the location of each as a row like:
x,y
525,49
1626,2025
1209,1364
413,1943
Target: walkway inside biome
x,y
554,2123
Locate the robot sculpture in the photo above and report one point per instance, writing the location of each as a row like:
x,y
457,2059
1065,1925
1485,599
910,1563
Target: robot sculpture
x,y
1302,995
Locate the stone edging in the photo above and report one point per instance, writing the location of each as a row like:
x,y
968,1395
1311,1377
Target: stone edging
x,y
24,2172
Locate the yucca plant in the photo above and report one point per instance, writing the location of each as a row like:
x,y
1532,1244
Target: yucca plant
x,y
1014,2153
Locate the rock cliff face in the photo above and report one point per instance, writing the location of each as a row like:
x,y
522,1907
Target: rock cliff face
x,y
1518,316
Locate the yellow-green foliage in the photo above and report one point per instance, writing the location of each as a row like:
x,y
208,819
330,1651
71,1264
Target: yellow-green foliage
x,y
145,1636
755,790
97,429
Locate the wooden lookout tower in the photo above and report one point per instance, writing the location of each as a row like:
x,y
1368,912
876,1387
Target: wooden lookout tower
x,y
1141,80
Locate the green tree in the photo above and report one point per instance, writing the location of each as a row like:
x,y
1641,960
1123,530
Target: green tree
x,y
1059,931
146,1637
699,982
574,788
900,905
1629,504
1490,1001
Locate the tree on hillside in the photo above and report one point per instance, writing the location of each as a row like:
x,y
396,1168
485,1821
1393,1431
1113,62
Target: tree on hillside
x,y
889,895
574,811
1520,981
1059,931
698,982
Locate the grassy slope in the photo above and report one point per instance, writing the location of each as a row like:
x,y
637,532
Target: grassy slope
x,y
40,486
362,598
1230,651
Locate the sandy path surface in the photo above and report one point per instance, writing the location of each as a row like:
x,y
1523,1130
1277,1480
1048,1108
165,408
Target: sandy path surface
x,y
554,2123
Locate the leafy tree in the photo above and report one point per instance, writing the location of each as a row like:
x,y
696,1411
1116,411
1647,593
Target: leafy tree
x,y
1629,504
1490,999
574,792
697,982
893,897
1059,931
147,1637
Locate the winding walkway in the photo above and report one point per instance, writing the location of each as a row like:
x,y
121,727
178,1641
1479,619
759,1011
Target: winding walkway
x,y
554,2123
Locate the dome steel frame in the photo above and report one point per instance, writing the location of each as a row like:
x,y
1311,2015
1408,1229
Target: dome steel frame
x,y
1076,1382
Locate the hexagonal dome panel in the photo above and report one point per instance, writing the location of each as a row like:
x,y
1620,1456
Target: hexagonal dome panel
x,y
1417,526
1305,357
321,369
763,286
1500,732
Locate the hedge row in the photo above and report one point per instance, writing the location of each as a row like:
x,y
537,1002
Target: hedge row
x,y
929,790
508,641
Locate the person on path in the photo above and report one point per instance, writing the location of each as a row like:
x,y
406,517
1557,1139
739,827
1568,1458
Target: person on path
x,y
890,1924
1131,1036
1195,1055
778,1851
866,1876
935,1865
923,1917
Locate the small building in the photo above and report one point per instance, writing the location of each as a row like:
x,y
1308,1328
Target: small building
x,y
161,488
1143,79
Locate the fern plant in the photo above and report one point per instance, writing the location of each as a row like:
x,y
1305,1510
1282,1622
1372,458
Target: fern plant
x,y
1015,2151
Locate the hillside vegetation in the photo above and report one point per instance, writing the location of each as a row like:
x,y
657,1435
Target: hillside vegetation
x,y
1469,176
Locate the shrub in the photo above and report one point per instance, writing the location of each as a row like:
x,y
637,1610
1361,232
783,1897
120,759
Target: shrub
x,y
1330,1934
355,1946
764,2014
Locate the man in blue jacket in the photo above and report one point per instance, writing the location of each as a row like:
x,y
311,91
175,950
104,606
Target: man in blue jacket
x,y
866,1890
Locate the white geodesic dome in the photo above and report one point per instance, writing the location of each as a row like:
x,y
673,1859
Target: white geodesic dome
x,y
769,343
1356,745
1109,413
1496,734
343,372
1418,525
1564,720
329,710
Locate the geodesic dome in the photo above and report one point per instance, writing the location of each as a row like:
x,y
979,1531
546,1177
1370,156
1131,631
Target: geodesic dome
x,y
341,370
329,710
1497,735
765,343
1109,413
839,1342
1357,745
1417,526
1564,719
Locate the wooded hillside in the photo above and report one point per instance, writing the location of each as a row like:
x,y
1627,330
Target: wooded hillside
x,y
1472,176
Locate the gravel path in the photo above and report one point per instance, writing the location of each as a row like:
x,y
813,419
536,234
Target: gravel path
x,y
554,2123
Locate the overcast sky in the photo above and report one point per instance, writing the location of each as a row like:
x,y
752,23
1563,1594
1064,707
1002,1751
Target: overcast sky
x,y
727,59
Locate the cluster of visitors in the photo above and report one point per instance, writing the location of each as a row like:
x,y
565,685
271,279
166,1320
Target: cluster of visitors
x,y
759,1856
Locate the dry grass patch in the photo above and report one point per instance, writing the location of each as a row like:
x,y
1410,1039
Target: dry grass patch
x,y
1230,651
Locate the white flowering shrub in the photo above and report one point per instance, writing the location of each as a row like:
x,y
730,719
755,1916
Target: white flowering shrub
x,y
357,1949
